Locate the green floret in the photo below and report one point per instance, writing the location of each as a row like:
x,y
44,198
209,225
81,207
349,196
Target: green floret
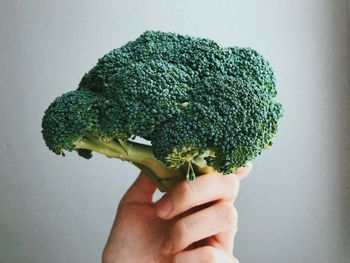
x,y
248,64
227,110
69,116
84,121
202,107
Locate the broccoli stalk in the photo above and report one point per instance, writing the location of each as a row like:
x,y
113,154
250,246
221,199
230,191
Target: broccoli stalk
x,y
140,155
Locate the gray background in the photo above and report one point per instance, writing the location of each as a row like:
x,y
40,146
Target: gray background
x,y
295,205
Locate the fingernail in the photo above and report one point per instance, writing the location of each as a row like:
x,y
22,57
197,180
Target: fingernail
x,y
164,207
167,247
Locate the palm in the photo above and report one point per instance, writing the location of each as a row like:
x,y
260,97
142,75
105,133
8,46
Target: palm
x,y
137,230
142,231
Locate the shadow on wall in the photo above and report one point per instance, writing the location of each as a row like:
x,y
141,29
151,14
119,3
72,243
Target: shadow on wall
x,y
342,116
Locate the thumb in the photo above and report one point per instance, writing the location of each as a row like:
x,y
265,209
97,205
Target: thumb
x,y
141,191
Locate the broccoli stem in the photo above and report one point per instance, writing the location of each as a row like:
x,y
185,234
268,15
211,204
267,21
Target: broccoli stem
x,y
140,155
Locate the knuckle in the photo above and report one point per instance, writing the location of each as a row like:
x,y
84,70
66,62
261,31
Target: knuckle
x,y
208,255
229,186
233,185
228,214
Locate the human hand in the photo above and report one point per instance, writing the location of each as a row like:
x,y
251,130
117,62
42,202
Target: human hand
x,y
194,222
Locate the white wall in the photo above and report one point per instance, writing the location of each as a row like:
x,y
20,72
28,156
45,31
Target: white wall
x,y
293,208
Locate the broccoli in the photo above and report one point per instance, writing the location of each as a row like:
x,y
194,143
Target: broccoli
x,y
201,106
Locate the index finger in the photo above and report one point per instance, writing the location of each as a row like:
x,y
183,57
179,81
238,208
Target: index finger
x,y
204,189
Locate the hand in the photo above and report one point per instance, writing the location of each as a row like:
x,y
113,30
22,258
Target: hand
x,y
194,222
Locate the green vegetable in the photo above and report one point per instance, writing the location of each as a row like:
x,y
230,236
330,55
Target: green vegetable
x,y
202,107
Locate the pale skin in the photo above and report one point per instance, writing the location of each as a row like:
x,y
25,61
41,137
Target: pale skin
x,y
194,222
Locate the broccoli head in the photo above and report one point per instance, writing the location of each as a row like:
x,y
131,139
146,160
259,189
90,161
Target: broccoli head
x,y
201,106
